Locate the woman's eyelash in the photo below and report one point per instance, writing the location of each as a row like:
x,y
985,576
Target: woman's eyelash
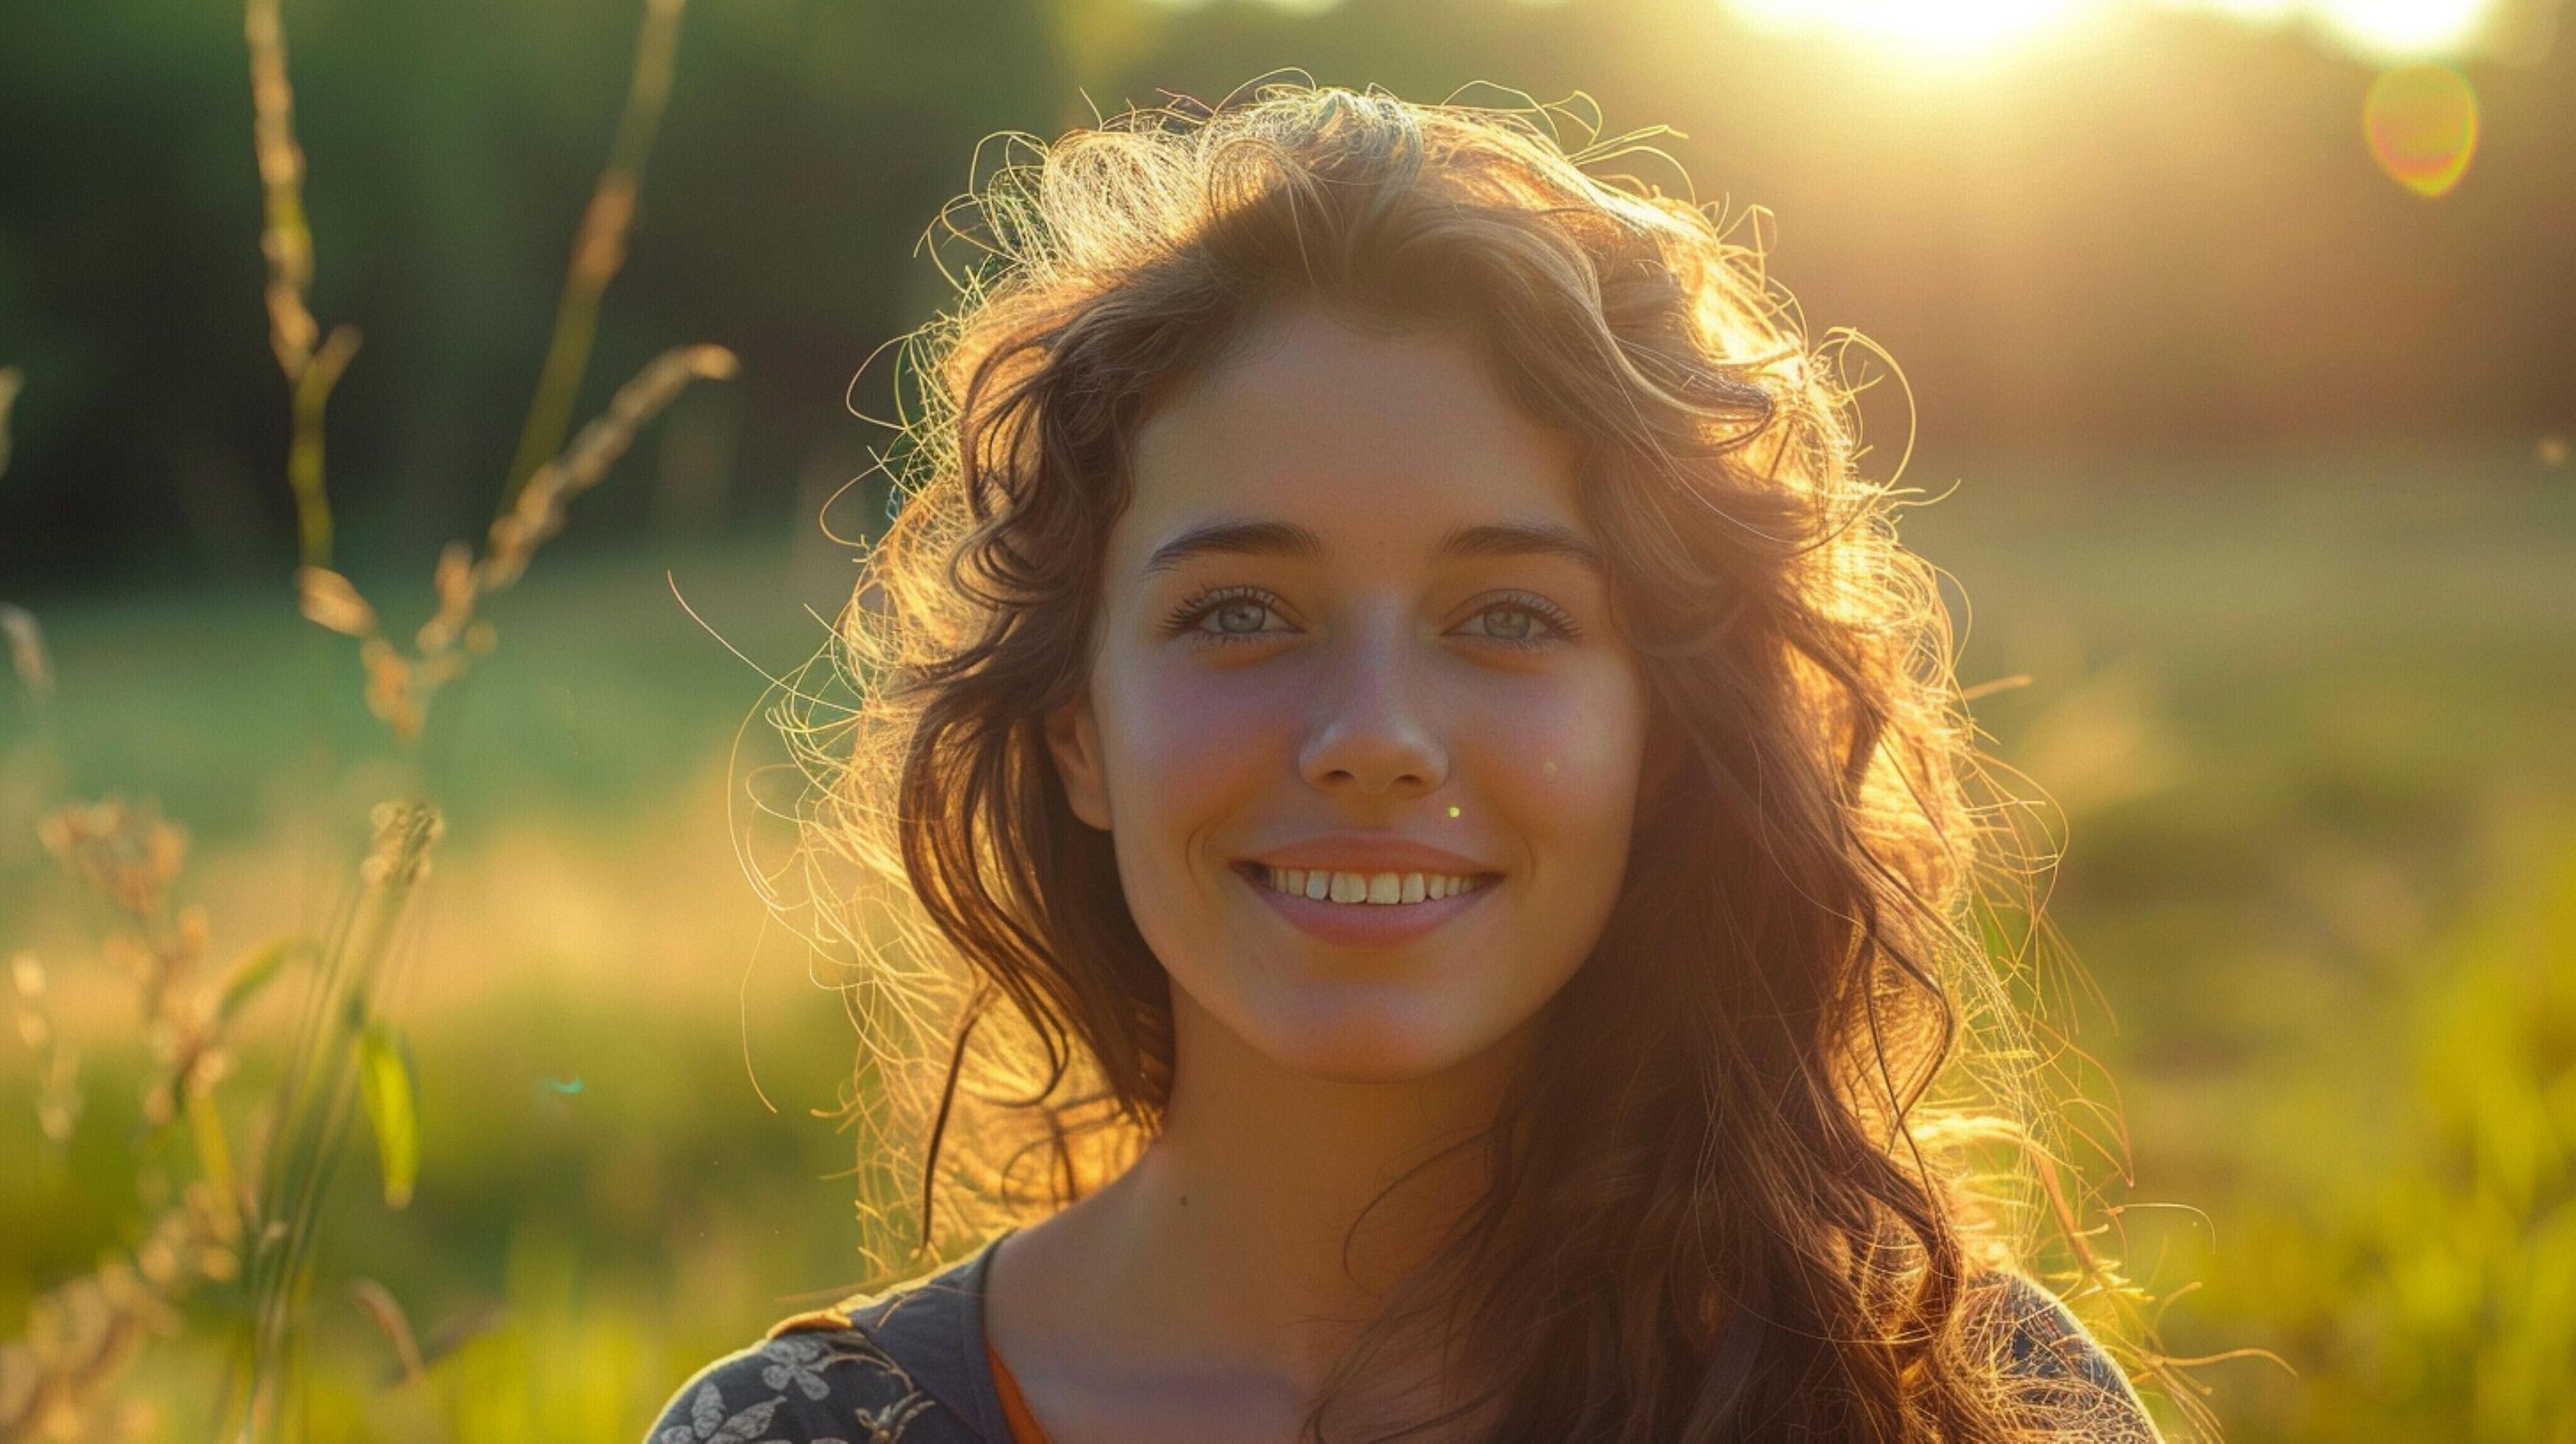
x,y
1187,616
1189,613
1540,607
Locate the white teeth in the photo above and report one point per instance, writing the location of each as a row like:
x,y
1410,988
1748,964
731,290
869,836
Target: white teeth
x,y
1381,889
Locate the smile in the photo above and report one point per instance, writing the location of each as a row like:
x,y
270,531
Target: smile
x,y
1357,909
1366,888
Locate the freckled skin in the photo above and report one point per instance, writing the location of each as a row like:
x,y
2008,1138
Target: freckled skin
x,y
1203,1294
1378,697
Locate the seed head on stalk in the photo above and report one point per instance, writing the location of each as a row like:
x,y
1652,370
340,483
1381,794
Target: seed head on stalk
x,y
314,1100
11,380
259,1218
82,1332
399,687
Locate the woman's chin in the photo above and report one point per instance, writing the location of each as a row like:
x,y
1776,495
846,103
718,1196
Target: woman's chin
x,y
1373,1045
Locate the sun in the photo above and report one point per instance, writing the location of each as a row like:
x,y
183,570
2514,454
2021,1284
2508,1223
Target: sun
x,y
1918,25
1953,29
2399,29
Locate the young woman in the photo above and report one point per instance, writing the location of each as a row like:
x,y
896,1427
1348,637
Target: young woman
x,y
1390,716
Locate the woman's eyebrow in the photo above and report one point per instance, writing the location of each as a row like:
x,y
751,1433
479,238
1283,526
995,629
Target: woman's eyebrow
x,y
1286,538
1521,538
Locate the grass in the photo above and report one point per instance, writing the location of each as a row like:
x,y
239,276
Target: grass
x,y
2345,803
587,785
2348,683
205,1225
2305,714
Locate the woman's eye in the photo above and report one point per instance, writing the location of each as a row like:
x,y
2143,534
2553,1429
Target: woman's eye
x,y
1240,618
1522,624
1517,622
1227,617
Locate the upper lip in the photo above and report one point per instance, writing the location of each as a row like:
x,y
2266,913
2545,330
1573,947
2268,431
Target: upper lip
x,y
1362,853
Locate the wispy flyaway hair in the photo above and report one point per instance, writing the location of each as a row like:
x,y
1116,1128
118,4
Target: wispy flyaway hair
x,y
1789,1111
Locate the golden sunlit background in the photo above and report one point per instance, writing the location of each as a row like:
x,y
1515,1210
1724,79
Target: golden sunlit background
x,y
446,404
2386,30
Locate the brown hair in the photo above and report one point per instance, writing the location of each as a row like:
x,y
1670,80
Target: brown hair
x,y
1740,1205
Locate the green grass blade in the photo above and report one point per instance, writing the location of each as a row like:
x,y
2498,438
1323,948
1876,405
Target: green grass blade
x,y
384,1078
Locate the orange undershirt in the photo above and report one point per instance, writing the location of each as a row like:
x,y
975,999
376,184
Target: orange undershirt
x,y
1015,1410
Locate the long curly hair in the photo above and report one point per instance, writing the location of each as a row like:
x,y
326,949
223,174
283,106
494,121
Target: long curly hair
x,y
1788,1113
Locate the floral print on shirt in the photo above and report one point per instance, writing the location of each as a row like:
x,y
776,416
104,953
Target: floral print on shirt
x,y
791,1364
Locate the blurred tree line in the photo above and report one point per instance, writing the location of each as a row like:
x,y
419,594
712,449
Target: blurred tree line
x,y
2158,232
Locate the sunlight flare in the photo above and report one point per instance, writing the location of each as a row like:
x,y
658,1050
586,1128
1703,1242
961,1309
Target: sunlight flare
x,y
1954,29
2402,28
2383,29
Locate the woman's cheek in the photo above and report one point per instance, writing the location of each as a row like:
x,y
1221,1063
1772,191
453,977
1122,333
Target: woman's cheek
x,y
1568,752
1196,737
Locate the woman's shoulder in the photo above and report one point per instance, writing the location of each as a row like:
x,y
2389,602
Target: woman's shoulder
x,y
907,1366
902,1366
2062,1369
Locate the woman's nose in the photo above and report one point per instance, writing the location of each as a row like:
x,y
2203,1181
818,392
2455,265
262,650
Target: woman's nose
x,y
1372,728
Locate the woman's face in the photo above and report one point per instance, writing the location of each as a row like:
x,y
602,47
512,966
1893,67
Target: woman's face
x,y
1354,628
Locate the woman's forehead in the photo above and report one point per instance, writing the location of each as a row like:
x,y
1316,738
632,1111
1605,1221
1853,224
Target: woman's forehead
x,y
1236,535
1344,436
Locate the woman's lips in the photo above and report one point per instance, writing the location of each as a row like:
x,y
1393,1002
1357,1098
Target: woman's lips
x,y
1362,925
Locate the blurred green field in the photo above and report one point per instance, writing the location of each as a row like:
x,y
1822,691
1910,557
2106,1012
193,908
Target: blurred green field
x,y
2308,719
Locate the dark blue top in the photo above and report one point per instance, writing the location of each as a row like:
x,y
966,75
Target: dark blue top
x,y
907,1366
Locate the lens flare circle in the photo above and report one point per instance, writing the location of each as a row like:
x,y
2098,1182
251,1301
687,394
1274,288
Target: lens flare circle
x,y
2422,125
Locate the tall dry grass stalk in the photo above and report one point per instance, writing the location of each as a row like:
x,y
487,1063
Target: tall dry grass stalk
x,y
599,248
286,239
400,686
128,859
27,655
342,1033
251,1215
12,380
345,1046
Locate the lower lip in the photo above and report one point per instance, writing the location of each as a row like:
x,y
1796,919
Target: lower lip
x,y
1365,925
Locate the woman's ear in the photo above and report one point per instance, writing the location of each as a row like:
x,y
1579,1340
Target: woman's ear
x,y
1073,740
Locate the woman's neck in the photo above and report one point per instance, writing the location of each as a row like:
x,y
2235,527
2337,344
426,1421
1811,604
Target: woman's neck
x,y
1222,1248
